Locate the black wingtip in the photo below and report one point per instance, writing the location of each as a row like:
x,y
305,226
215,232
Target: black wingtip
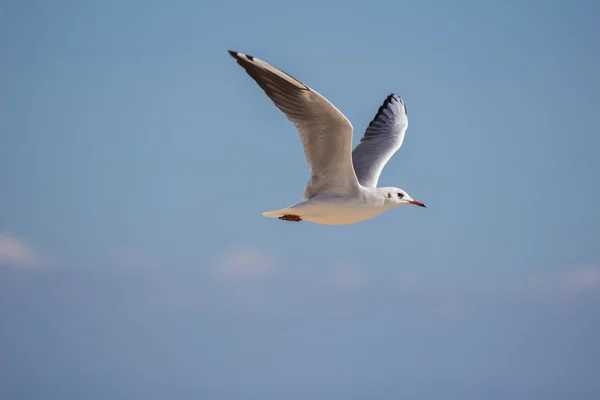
x,y
240,56
393,96
382,107
398,98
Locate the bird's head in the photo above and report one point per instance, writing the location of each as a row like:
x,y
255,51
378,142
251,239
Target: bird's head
x,y
395,197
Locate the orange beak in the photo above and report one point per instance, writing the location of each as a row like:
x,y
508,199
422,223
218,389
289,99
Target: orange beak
x,y
417,203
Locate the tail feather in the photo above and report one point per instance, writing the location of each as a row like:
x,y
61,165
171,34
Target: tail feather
x,y
276,213
291,210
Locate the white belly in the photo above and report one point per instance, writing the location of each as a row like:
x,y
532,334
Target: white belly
x,y
336,214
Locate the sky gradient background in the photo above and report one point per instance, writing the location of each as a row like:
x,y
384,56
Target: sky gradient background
x,y
136,157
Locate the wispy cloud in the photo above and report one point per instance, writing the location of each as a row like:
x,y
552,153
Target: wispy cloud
x,y
244,262
246,275
564,283
14,251
583,279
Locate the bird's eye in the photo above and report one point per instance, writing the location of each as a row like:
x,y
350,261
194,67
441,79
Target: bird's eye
x,y
400,195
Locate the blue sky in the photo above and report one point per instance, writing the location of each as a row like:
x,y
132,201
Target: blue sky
x,y
136,158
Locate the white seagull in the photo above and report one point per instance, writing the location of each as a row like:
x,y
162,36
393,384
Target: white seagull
x,y
343,184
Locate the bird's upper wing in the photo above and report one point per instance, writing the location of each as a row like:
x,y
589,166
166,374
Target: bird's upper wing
x,y
382,139
325,132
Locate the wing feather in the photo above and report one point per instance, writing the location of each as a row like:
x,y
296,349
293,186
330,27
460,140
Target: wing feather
x,y
381,140
326,134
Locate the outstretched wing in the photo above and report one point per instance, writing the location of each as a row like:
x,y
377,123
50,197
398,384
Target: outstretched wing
x,y
325,132
382,139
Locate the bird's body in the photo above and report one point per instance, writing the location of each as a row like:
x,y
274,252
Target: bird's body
x,y
336,209
342,189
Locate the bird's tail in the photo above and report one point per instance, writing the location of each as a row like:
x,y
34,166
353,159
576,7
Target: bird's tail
x,y
296,209
277,213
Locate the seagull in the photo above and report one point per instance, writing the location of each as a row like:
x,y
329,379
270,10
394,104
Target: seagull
x,y
343,185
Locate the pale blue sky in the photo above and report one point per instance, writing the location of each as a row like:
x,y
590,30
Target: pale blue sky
x,y
136,157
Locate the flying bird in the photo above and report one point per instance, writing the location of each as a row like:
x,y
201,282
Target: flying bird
x,y
343,184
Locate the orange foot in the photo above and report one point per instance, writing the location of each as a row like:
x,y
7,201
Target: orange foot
x,y
292,218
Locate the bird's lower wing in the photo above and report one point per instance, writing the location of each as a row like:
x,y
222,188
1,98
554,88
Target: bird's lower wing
x,y
382,139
